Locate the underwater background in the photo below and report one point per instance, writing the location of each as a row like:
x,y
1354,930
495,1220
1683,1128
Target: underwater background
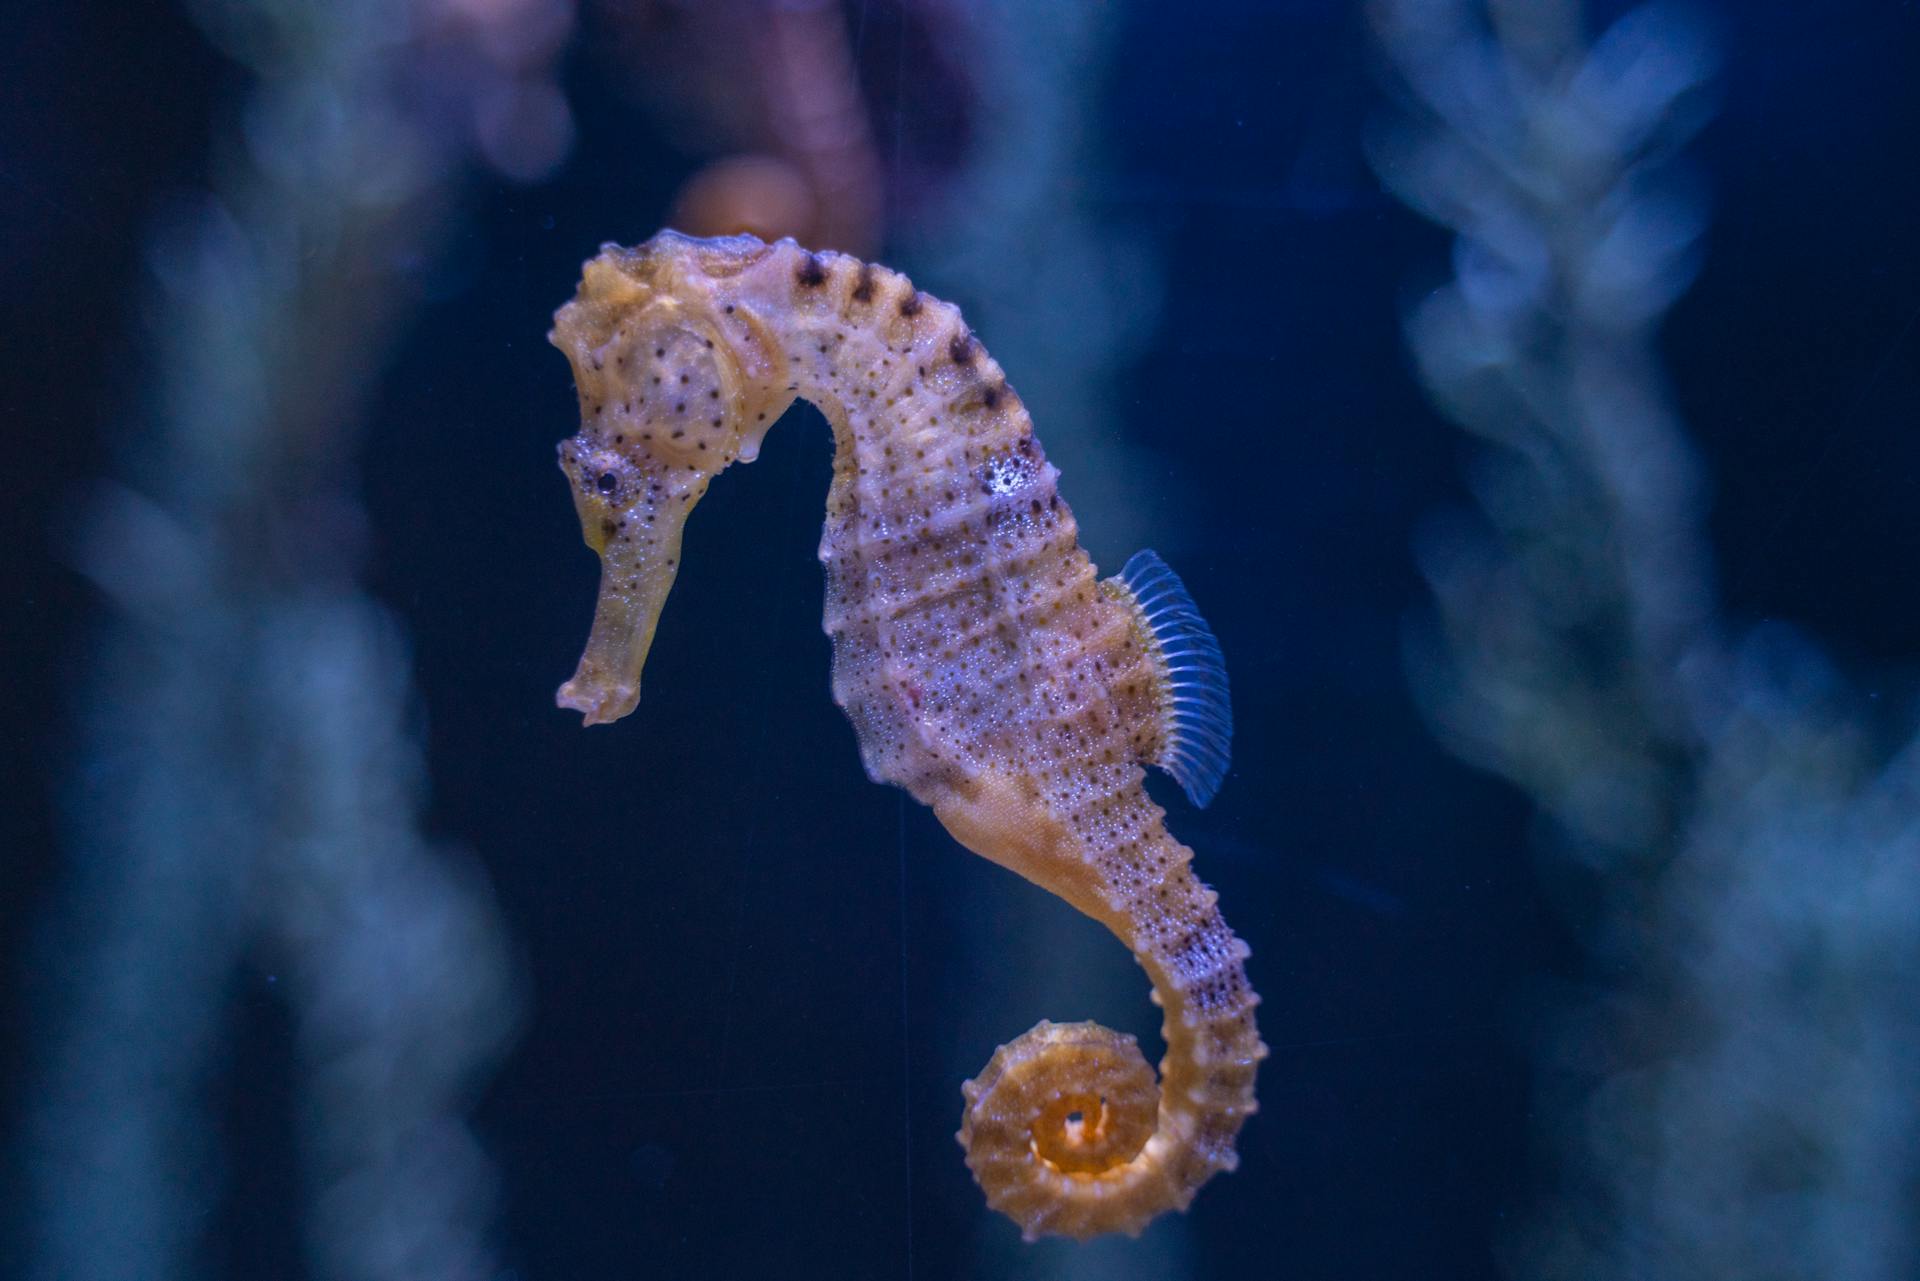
x,y
1527,393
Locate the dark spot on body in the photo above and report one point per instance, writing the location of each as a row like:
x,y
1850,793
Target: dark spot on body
x,y
811,274
863,287
960,350
911,304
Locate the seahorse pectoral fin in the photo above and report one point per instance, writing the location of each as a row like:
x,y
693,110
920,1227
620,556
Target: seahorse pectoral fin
x,y
1196,739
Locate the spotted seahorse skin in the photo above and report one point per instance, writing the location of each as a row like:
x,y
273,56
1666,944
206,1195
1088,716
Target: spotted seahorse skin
x,y
985,668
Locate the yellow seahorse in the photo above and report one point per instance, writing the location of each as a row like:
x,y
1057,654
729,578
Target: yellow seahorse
x,y
984,668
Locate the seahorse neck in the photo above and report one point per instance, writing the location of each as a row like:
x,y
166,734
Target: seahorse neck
x,y
895,371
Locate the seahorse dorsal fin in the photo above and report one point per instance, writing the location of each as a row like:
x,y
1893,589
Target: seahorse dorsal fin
x,y
1197,739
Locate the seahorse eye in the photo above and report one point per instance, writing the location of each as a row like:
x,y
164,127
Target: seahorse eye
x,y
608,482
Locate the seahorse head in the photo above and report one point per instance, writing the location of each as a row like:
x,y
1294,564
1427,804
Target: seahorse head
x,y
676,382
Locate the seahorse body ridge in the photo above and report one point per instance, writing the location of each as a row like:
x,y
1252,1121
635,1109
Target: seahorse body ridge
x,y
983,665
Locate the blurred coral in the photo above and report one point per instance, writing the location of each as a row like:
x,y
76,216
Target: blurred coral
x,y
1059,286
759,195
1732,831
249,790
774,86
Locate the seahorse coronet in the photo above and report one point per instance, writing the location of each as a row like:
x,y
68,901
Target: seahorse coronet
x,y
984,667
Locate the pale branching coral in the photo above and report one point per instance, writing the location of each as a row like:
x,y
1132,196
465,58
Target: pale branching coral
x,y
1733,1095
249,792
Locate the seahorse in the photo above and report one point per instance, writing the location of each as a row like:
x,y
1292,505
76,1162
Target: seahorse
x,y
984,666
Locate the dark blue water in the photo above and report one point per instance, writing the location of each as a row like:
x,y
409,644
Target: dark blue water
x,y
754,979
